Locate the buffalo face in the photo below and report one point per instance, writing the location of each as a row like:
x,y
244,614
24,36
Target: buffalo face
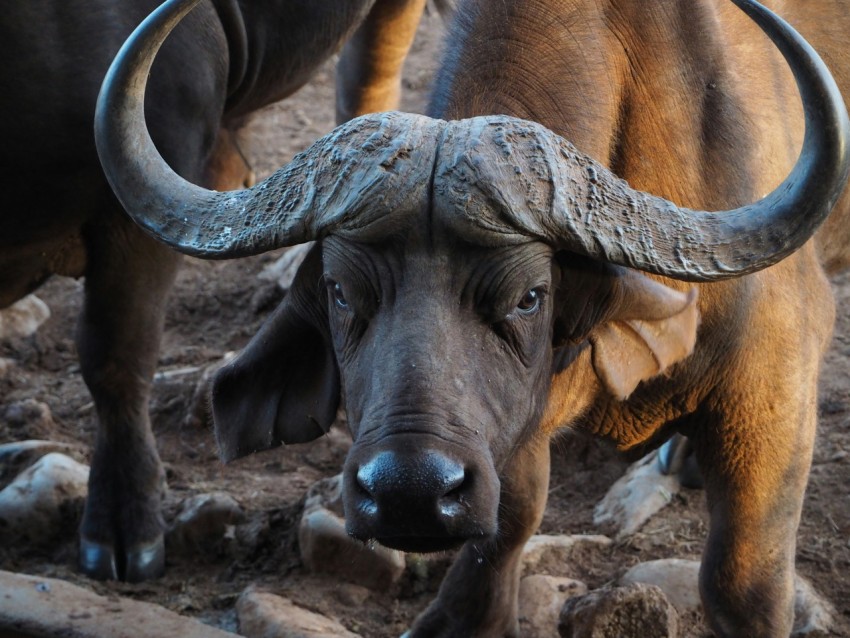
x,y
444,351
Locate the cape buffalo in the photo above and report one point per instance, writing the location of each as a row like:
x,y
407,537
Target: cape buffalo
x,y
480,282
59,216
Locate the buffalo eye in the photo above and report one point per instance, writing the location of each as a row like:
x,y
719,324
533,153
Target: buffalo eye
x,y
337,295
530,302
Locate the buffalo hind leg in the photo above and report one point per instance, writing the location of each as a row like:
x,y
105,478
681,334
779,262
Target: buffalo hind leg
x,y
755,479
369,69
478,597
127,281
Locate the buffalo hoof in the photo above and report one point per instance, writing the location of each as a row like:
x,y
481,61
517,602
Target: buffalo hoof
x,y
142,562
677,457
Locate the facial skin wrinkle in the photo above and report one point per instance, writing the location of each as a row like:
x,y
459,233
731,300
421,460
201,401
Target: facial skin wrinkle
x,y
372,427
509,277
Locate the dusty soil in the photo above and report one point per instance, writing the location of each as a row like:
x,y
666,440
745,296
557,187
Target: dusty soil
x,y
217,306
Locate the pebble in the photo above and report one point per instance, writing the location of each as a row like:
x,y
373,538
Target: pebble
x,y
199,413
203,521
44,500
634,610
19,455
678,578
352,595
23,318
540,601
551,554
265,615
640,493
30,419
326,548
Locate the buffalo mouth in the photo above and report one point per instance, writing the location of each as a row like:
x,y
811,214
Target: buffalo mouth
x,y
424,544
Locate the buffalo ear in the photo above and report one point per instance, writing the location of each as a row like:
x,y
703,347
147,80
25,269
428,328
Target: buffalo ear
x,y
649,328
284,386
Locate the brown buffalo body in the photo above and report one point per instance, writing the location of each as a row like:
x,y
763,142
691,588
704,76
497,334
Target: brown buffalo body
x,y
475,287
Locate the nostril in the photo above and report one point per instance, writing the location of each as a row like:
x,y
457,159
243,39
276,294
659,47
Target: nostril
x,y
452,477
454,501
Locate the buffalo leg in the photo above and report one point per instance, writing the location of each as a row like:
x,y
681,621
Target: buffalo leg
x,y
127,281
755,478
369,68
478,597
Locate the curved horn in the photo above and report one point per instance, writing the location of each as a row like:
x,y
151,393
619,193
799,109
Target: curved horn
x,y
346,180
542,186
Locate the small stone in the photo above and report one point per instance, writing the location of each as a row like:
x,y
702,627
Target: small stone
x,y
284,269
203,521
676,577
352,595
199,414
540,601
30,419
634,610
326,548
43,501
813,615
641,492
551,553
23,318
327,494
39,606
18,455
6,366
265,615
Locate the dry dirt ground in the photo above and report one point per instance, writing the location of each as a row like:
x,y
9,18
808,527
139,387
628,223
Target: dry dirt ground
x,y
217,306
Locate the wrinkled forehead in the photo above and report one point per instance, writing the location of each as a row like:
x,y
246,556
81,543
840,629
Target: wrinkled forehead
x,y
482,181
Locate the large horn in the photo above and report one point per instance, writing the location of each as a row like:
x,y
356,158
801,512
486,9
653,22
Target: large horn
x,y
542,186
346,180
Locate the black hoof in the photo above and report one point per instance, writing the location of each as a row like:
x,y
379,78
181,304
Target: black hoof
x,y
145,562
97,560
677,457
142,562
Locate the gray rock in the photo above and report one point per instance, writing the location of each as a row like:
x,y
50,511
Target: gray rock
x,y
283,270
30,419
265,615
23,317
678,579
326,548
352,595
641,492
634,611
552,554
326,494
540,601
199,413
35,606
44,500
18,455
203,522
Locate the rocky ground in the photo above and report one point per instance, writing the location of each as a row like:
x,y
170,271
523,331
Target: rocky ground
x,y
247,546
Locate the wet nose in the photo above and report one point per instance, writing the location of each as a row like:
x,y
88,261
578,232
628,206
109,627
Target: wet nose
x,y
432,483
404,498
